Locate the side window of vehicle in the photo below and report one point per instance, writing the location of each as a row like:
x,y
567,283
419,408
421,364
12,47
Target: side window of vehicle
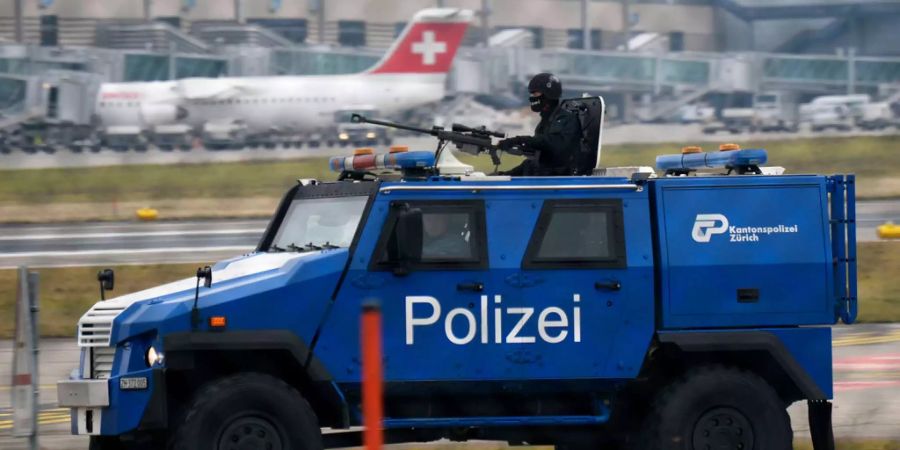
x,y
577,234
452,236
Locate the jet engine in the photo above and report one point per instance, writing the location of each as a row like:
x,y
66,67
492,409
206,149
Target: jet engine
x,y
159,114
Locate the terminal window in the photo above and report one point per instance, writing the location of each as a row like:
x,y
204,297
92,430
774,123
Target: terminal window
x,y
352,33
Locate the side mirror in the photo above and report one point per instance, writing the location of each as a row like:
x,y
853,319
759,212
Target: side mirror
x,y
407,239
107,279
205,274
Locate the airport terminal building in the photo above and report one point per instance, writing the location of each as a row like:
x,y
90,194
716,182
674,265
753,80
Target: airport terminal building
x,y
648,57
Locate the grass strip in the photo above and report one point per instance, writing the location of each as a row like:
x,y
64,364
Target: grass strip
x,y
66,293
873,159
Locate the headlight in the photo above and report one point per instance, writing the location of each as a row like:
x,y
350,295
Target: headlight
x,y
370,135
343,136
153,357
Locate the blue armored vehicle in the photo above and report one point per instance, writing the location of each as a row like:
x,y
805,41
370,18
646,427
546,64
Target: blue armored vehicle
x,y
631,308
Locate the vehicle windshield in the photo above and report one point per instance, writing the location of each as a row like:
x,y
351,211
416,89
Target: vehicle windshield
x,y
319,223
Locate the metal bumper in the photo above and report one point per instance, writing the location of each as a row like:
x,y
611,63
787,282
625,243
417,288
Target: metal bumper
x,y
83,393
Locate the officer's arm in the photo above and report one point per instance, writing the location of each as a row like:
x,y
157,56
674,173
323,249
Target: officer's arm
x,y
558,136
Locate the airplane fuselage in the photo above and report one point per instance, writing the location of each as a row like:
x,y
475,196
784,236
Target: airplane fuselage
x,y
298,103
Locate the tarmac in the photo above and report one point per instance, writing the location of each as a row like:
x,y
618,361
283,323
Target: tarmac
x,y
866,383
613,134
111,243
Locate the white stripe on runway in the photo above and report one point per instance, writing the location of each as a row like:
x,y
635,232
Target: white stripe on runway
x,y
30,237
129,251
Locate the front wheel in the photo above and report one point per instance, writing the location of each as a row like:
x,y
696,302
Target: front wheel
x,y
105,443
250,410
717,407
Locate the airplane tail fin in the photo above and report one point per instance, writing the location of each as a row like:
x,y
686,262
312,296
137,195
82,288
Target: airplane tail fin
x,y
428,43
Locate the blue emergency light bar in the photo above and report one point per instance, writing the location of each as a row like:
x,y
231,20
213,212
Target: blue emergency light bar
x,y
732,159
387,161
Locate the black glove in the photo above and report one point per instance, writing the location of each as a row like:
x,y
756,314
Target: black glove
x,y
516,141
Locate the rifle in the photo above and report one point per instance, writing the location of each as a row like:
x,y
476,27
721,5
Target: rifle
x,y
466,139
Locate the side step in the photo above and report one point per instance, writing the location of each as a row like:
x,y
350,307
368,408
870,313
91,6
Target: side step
x,y
429,429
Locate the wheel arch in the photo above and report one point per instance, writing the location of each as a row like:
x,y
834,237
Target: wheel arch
x,y
195,358
758,351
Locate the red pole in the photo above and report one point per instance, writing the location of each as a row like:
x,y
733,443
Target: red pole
x,y
372,376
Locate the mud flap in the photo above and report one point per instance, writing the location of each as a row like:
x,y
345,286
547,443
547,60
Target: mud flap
x,y
820,424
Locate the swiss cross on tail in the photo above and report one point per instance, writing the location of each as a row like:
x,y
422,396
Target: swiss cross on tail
x,y
428,44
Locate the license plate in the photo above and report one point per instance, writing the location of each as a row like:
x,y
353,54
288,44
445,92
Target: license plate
x,y
130,384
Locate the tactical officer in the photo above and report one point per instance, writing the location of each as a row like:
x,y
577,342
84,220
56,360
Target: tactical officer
x,y
556,139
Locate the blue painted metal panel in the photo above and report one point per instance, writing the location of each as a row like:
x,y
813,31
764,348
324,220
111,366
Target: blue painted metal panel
x,y
511,216
714,241
811,348
291,298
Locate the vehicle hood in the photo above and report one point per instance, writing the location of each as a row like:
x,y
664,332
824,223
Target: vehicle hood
x,y
133,313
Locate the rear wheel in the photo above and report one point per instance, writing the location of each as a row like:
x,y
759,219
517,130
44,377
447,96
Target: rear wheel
x,y
250,410
717,407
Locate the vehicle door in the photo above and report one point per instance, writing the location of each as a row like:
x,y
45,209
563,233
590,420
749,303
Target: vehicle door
x,y
590,294
432,306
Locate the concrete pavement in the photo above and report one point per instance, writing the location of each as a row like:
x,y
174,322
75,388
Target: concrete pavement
x,y
126,243
640,133
866,403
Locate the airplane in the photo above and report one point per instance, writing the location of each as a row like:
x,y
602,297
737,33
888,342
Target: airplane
x,y
412,73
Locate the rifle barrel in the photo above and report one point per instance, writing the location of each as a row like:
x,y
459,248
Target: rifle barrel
x,y
362,119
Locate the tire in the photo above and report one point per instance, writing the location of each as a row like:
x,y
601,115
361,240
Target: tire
x,y
143,442
717,407
105,443
249,410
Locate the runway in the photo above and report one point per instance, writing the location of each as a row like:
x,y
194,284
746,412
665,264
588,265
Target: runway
x,y
866,402
613,134
126,243
103,243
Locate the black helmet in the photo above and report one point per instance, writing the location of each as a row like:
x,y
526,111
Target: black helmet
x,y
547,84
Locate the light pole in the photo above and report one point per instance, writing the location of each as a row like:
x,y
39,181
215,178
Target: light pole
x,y
17,6
585,26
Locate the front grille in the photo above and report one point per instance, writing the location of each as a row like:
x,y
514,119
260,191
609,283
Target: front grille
x,y
102,361
95,326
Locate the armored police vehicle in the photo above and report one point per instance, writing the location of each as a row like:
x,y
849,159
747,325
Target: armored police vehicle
x,y
624,309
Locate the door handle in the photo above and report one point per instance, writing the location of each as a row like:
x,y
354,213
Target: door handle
x,y
474,287
612,285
